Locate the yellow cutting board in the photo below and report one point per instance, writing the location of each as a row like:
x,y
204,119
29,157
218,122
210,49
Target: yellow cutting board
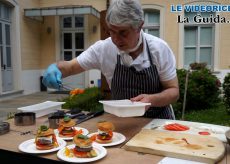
x,y
178,145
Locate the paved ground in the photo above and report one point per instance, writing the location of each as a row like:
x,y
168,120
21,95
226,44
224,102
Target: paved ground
x,y
12,104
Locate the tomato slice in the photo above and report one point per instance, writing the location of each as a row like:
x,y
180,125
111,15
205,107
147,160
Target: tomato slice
x,y
107,137
93,137
55,140
204,133
67,134
78,131
176,127
182,126
60,128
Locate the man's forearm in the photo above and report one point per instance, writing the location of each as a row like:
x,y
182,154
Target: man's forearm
x,y
68,68
165,97
64,67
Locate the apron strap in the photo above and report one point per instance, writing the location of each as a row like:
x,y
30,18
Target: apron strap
x,y
149,53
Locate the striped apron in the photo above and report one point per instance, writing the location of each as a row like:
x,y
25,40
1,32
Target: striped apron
x,y
127,82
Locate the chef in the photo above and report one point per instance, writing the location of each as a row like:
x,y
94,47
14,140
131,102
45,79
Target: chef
x,y
137,65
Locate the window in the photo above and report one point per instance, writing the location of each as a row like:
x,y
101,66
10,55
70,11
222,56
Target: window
x,y
73,30
152,22
72,36
198,41
6,48
5,42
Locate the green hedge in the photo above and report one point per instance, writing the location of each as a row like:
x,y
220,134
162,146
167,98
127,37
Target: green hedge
x,y
88,101
203,90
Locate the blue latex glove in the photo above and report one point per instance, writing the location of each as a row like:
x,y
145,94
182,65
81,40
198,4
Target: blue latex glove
x,y
52,77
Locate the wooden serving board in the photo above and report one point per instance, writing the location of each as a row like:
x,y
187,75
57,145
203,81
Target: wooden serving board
x,y
177,145
195,127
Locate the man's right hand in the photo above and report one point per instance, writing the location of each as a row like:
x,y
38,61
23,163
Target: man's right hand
x,y
52,77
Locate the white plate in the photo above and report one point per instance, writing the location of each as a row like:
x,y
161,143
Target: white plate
x,y
30,147
85,132
117,139
101,152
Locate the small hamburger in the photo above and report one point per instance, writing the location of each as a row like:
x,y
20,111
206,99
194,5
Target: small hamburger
x,y
66,127
45,138
83,147
105,132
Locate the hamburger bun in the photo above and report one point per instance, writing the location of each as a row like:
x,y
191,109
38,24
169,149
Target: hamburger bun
x,y
105,126
48,132
45,147
63,134
103,141
67,124
82,141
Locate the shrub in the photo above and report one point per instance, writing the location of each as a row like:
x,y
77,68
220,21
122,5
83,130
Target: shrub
x,y
198,66
226,88
203,90
87,101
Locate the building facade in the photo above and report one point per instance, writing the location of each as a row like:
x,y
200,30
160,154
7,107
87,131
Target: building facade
x,y
36,33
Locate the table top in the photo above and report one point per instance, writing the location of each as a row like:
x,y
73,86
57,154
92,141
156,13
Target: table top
x,y
115,154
